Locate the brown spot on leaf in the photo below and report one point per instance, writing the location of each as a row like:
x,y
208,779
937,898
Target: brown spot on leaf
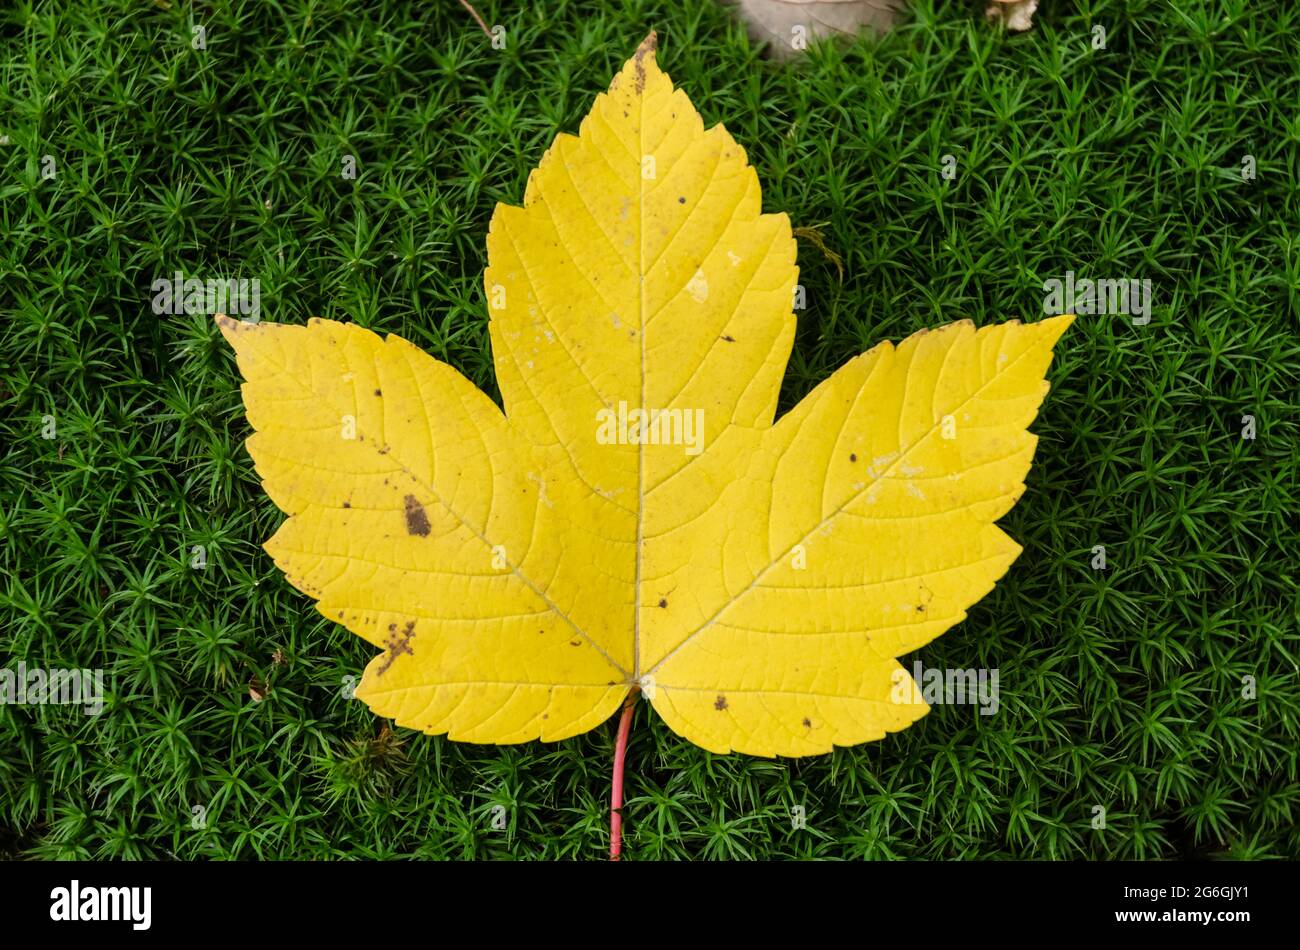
x,y
417,522
720,703
575,643
378,393
729,338
807,723
397,645
681,200
663,602
853,457
647,46
231,324
347,504
925,595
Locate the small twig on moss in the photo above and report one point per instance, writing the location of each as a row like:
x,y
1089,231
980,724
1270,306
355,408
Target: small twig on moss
x,y
478,19
814,236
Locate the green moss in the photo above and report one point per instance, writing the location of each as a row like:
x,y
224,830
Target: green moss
x,y
1120,688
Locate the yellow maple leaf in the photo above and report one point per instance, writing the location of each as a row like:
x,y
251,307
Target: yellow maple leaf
x,y
635,519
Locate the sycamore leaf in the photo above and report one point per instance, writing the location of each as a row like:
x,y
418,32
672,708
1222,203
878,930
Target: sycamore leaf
x,y
522,571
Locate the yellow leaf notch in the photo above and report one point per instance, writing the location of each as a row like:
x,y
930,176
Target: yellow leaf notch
x,y
636,518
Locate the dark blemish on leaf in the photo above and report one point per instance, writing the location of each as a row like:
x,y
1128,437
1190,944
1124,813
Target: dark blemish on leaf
x,y
853,457
681,201
546,715
347,504
720,703
385,449
728,338
417,522
575,643
378,393
397,646
663,602
807,723
647,46
926,595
